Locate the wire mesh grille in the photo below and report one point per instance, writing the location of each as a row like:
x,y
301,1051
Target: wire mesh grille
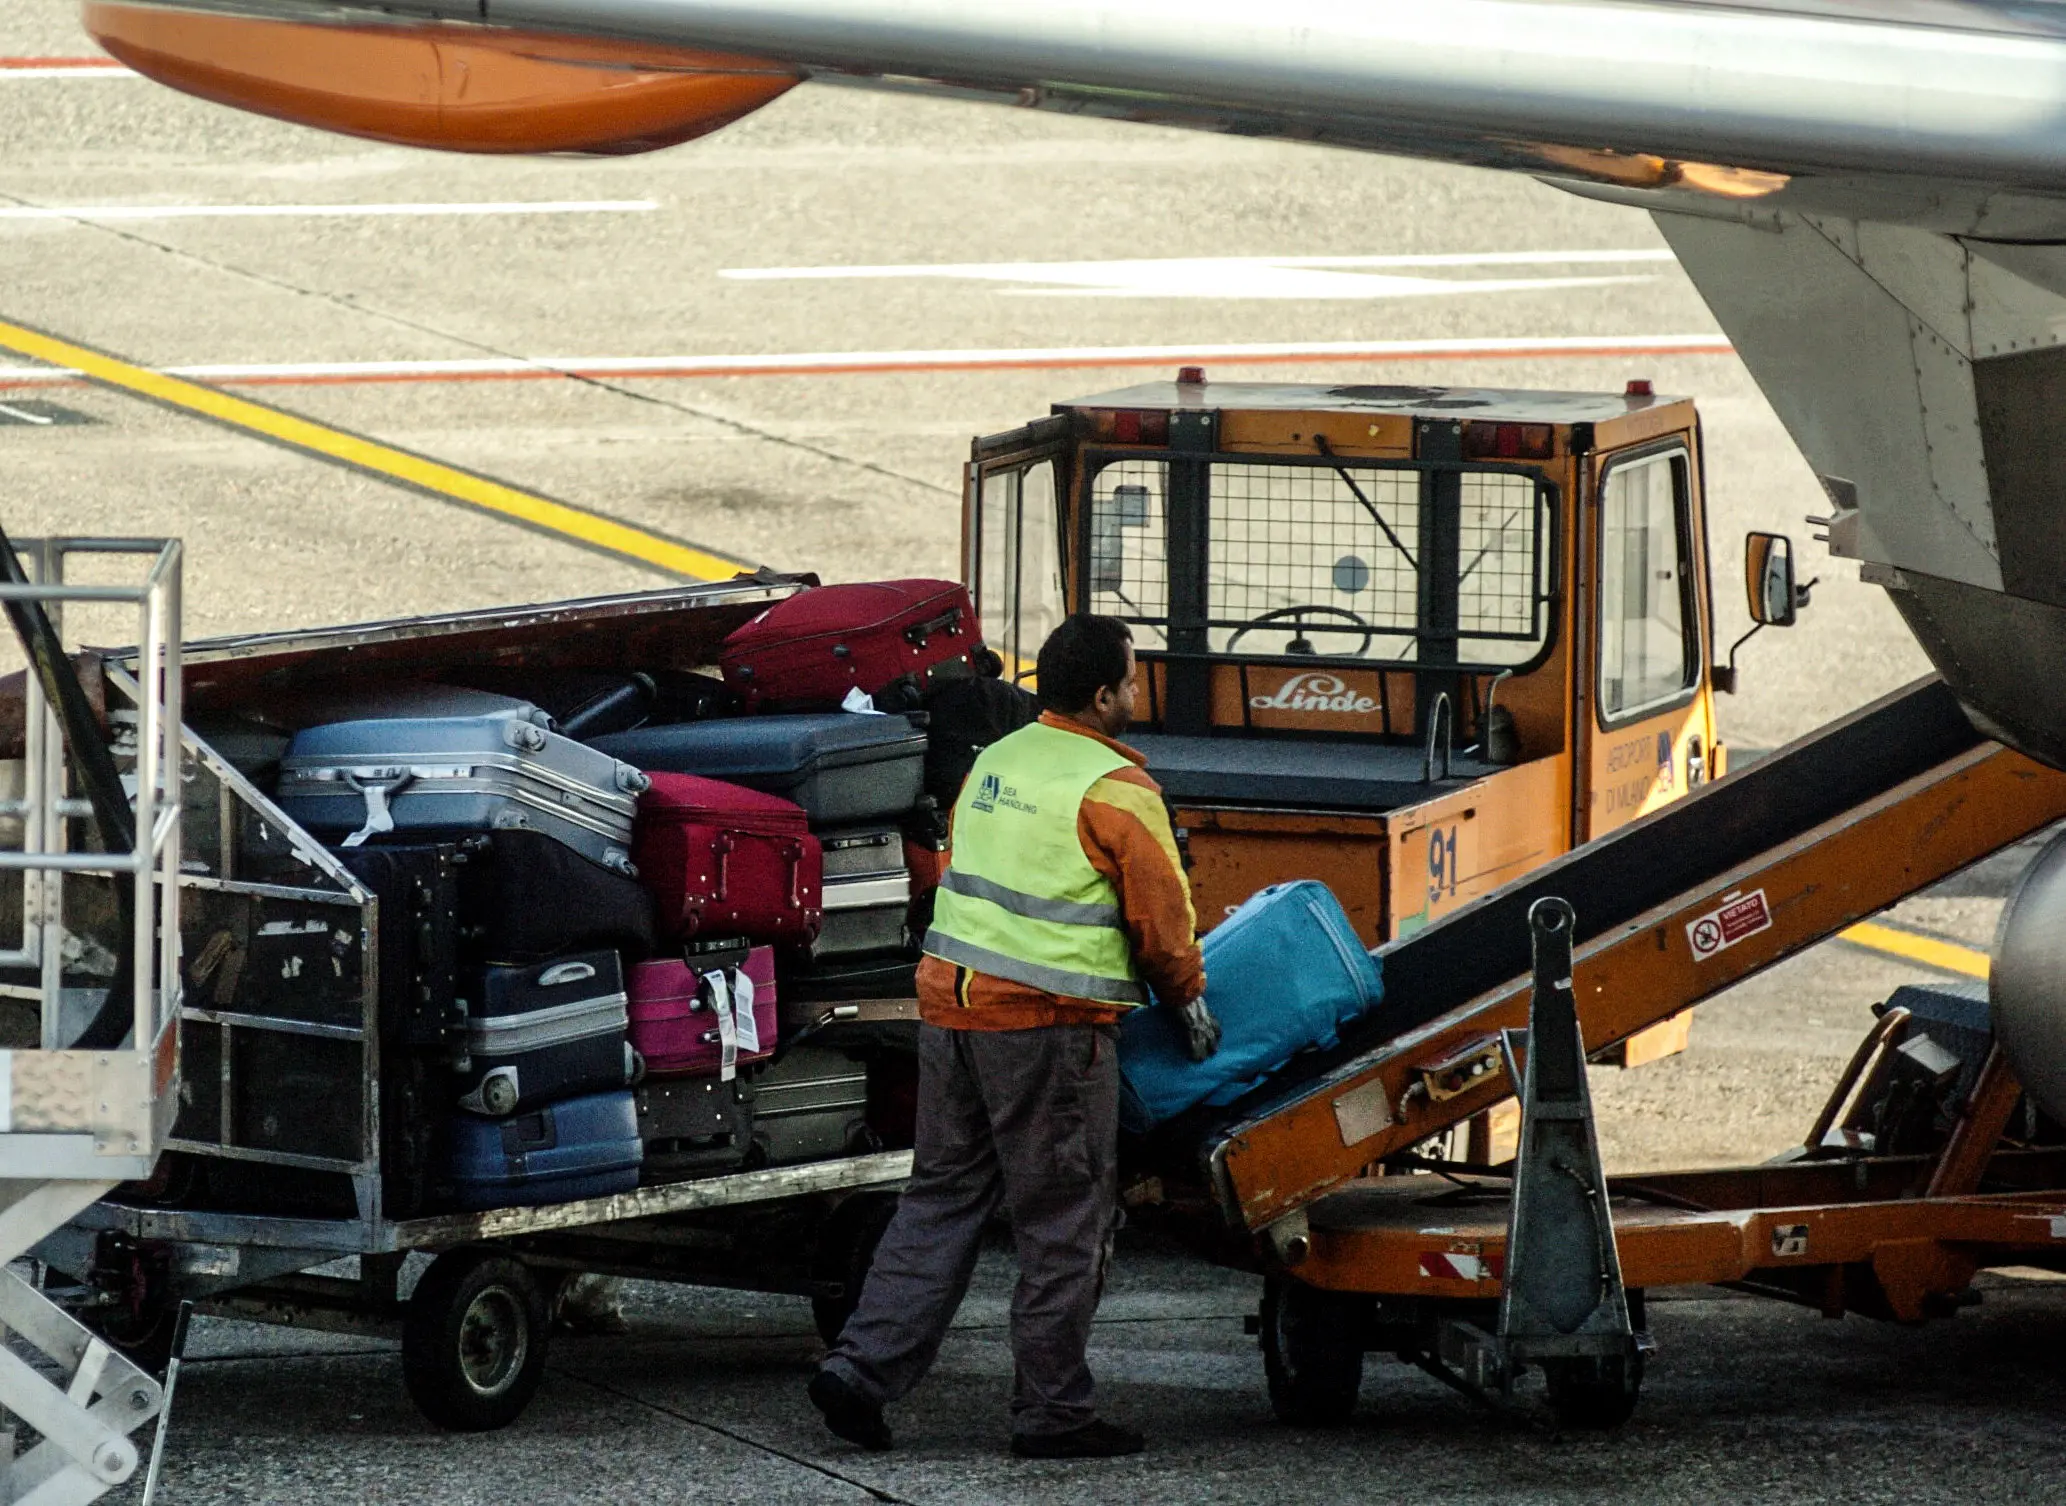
x,y
1325,559
1342,545
1502,568
1129,560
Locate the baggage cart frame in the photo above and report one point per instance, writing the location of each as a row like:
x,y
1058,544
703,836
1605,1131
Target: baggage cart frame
x,y
280,1033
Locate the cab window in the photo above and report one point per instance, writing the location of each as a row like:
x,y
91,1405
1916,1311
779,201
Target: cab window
x,y
1018,563
1649,632
1129,564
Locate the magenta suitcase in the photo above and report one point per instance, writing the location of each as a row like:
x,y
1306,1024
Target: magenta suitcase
x,y
817,645
707,1013
722,860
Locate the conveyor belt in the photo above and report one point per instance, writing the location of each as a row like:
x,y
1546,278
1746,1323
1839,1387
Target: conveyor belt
x,y
1830,829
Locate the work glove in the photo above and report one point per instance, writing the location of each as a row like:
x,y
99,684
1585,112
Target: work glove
x,y
1201,1030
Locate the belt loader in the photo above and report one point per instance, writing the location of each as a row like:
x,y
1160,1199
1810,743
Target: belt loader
x,y
1669,911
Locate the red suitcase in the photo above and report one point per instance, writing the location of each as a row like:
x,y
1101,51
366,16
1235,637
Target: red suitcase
x,y
706,1013
726,861
817,645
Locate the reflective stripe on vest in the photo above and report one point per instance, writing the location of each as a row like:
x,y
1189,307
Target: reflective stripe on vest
x,y
1020,900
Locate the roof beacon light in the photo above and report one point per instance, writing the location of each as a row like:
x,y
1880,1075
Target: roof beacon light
x,y
1190,376
1639,387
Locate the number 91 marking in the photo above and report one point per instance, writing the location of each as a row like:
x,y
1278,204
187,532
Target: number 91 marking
x,y
1442,874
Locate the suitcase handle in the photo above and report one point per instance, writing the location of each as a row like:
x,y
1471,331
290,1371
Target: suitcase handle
x,y
722,845
794,852
566,972
948,621
374,787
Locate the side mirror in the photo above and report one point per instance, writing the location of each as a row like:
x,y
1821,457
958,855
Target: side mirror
x,y
1775,601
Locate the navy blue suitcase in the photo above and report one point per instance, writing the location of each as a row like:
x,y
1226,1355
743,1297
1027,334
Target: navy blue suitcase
x,y
842,767
579,1148
545,1032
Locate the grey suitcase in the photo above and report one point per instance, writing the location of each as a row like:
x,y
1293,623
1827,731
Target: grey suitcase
x,y
460,774
867,894
843,768
810,1105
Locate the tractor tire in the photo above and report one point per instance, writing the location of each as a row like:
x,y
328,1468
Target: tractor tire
x,y
1312,1353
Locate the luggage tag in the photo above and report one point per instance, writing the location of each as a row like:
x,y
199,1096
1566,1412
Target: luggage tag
x,y
745,1027
727,1026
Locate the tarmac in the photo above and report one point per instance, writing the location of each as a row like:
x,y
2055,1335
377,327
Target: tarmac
x,y
982,257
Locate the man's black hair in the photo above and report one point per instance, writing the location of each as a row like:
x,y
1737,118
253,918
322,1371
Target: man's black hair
x,y
1084,655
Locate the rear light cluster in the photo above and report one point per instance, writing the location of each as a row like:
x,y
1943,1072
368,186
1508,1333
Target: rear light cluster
x,y
1509,441
1130,426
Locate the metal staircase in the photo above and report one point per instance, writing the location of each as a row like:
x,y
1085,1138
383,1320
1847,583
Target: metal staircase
x,y
90,1104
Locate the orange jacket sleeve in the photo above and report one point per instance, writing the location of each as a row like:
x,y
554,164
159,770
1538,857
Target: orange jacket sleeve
x,y
1125,831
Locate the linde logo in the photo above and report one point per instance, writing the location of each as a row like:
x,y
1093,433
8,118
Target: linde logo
x,y
1314,692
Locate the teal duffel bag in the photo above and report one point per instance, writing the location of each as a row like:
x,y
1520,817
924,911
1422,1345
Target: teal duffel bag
x,y
1283,973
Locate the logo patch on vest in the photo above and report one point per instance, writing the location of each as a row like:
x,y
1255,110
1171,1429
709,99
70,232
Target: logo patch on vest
x,y
993,792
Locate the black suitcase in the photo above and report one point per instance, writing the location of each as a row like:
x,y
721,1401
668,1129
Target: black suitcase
x,y
693,1126
964,717
803,985
866,893
537,1034
527,897
419,888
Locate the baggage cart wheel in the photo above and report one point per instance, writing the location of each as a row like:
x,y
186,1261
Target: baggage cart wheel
x,y
1593,1394
846,1248
1312,1353
473,1340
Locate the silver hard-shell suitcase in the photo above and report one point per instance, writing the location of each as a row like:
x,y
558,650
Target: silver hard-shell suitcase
x,y
867,893
465,773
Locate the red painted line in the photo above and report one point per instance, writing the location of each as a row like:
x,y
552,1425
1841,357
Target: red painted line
x,y
542,374
99,62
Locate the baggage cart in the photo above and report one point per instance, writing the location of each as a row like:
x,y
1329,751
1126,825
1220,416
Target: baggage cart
x,y
291,1147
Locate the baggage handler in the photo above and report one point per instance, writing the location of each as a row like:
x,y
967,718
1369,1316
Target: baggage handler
x,y
1063,904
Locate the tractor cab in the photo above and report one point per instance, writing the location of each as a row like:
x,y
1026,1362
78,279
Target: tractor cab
x,y
1411,641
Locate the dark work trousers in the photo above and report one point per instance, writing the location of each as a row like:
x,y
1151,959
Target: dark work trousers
x,y
1029,1118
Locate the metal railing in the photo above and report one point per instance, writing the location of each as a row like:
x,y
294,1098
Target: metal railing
x,y
151,866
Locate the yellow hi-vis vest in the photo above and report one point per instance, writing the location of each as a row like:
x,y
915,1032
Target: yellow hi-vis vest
x,y
1019,899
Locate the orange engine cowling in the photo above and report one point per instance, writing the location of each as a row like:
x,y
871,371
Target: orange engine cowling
x,y
451,86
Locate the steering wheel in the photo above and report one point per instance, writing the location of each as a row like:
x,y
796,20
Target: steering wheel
x,y
1296,616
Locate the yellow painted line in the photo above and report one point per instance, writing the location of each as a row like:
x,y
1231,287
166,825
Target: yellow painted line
x,y
579,525
1946,956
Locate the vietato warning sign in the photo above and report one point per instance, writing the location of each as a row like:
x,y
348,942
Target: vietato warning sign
x,y
1738,916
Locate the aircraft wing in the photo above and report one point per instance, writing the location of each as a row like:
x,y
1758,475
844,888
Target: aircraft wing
x,y
1871,194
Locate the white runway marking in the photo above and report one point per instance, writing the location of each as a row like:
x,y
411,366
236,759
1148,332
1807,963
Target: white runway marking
x,y
98,212
1330,278
856,362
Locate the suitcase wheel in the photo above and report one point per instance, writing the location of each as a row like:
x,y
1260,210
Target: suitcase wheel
x,y
473,1340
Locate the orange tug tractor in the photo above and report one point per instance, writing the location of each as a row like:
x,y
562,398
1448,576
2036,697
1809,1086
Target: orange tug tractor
x,y
1452,652
1413,642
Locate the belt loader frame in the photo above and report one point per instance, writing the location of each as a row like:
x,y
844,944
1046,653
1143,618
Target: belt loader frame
x,y
1897,1237
281,1036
